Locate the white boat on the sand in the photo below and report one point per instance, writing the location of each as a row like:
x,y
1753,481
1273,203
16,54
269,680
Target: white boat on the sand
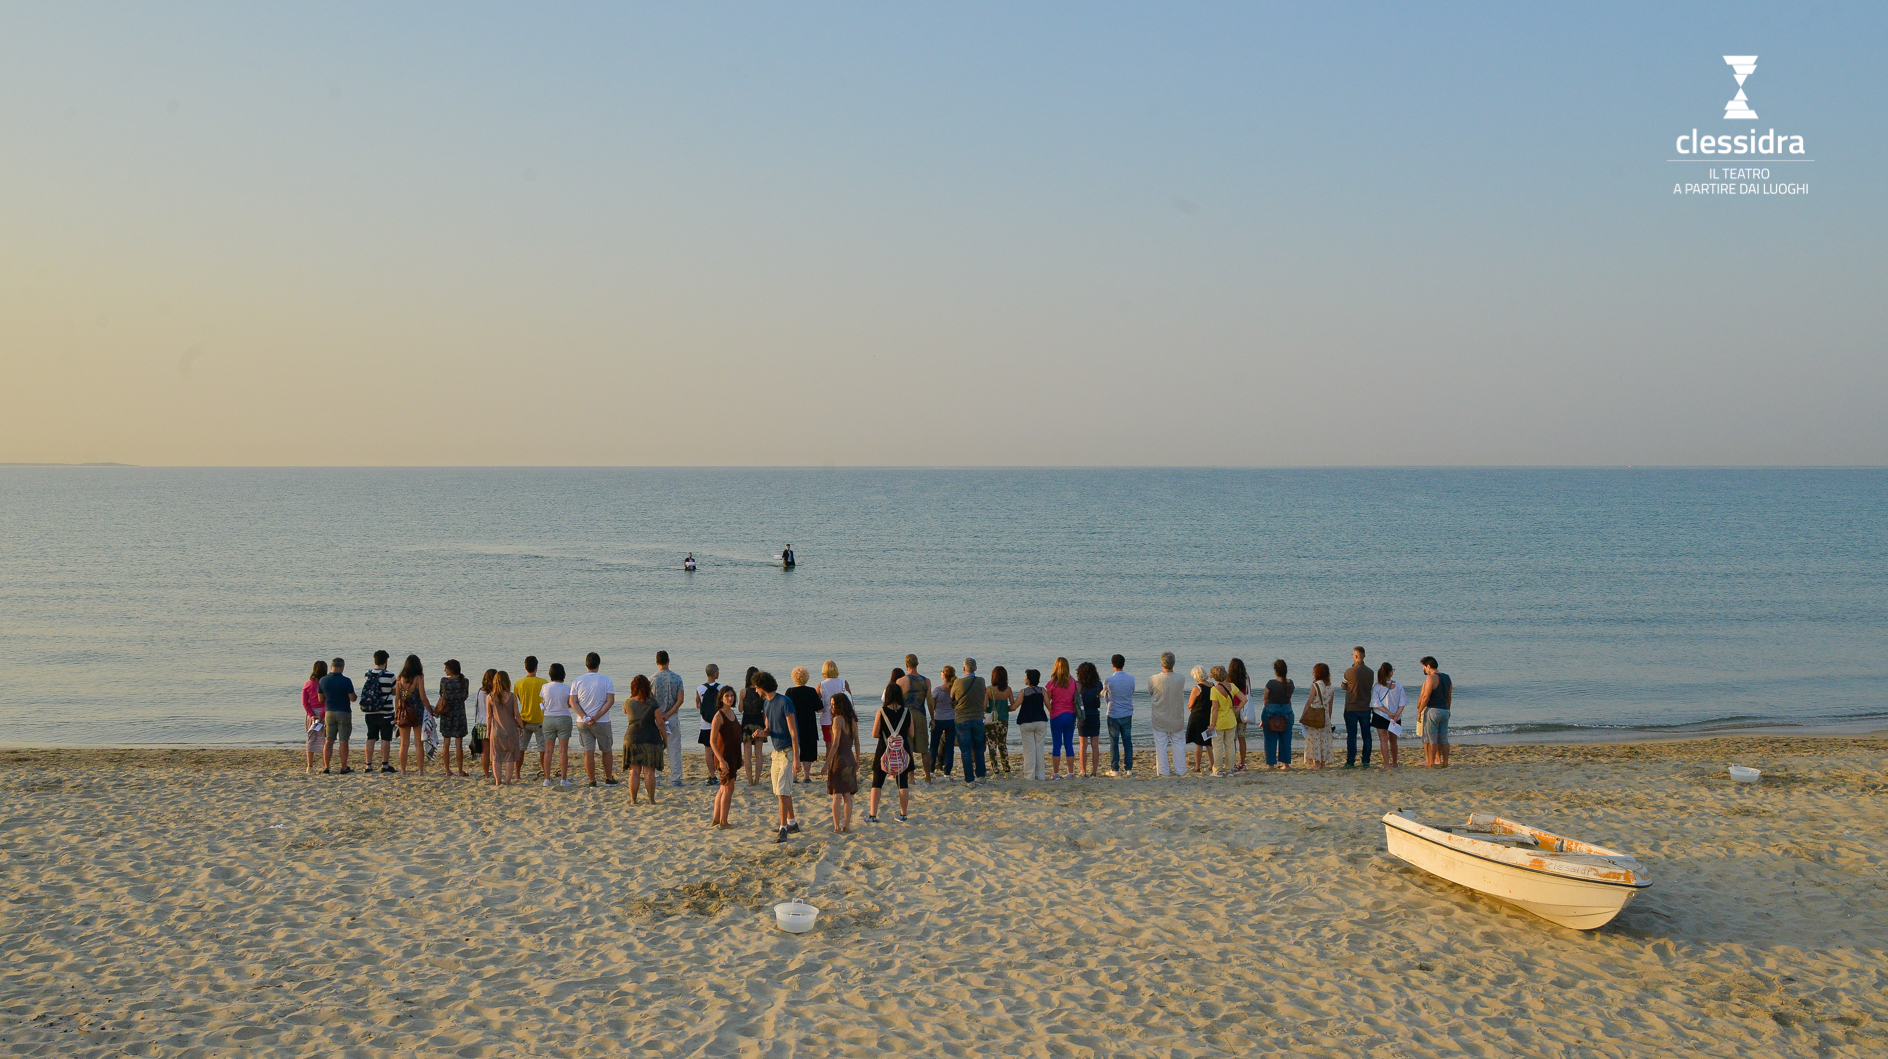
x,y
1560,879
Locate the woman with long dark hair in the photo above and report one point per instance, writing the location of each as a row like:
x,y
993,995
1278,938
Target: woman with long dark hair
x,y
1386,712
410,709
725,737
894,720
996,719
1241,684
312,712
501,731
453,691
753,724
842,761
1088,728
646,746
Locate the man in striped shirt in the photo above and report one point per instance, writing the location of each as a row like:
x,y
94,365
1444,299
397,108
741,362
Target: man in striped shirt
x,y
377,711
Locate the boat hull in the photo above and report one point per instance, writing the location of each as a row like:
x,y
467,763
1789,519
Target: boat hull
x,y
1575,903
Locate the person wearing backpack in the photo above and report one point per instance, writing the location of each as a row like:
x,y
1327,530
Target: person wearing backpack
x,y
377,711
892,757
1276,718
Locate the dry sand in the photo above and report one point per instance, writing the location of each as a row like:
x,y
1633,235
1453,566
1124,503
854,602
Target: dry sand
x,y
222,903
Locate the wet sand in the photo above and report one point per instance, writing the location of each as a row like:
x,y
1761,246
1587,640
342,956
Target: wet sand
x,y
170,903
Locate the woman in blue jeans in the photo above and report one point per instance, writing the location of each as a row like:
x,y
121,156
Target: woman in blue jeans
x,y
1276,718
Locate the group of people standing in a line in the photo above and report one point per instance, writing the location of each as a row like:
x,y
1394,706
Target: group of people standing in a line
x,y
962,720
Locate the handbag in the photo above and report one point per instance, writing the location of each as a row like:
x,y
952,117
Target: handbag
x,y
1317,709
1278,722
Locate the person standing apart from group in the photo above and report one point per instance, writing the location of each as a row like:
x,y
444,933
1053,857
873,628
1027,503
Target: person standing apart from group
x,y
644,742
337,719
968,695
377,711
893,758
1032,721
1359,684
783,731
1063,698
592,695
454,688
666,693
1241,684
725,740
1432,713
530,692
917,691
1167,692
1118,690
557,726
996,720
1319,703
1386,705
842,762
1225,702
410,709
502,728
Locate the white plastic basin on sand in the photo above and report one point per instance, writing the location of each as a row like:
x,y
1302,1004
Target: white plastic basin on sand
x,y
795,917
1745,775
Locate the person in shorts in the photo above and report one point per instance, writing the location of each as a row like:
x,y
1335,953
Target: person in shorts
x,y
893,719
530,692
591,697
377,711
337,695
555,735
783,732
1432,708
708,703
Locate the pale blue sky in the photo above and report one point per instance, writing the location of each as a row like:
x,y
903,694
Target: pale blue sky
x,y
882,234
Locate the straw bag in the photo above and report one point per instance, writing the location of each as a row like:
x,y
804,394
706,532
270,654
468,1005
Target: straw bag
x,y
1317,708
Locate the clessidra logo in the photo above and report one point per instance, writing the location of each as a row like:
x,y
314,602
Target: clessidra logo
x,y
1738,109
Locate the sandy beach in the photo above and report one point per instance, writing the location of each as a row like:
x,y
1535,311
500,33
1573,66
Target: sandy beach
x,y
172,903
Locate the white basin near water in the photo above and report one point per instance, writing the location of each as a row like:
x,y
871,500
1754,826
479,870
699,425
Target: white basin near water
x,y
1745,775
795,917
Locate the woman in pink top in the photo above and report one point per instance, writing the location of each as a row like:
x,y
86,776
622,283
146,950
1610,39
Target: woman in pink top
x,y
1060,692
312,707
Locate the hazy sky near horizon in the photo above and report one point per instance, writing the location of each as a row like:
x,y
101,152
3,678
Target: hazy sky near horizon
x,y
935,234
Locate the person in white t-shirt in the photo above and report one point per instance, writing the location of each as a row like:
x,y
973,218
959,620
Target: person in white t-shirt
x,y
557,725
832,684
592,695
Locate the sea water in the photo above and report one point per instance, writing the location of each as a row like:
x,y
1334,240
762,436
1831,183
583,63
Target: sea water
x,y
145,606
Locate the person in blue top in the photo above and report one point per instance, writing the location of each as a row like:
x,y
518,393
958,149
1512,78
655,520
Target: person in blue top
x,y
783,733
337,693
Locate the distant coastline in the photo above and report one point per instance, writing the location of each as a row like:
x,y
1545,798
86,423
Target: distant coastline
x,y
104,464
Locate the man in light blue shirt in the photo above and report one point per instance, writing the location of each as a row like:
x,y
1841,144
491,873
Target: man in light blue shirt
x,y
1118,689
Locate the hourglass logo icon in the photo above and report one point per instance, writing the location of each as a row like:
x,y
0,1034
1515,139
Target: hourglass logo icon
x,y
1742,66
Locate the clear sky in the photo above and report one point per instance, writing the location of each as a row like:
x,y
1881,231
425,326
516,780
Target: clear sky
x,y
935,234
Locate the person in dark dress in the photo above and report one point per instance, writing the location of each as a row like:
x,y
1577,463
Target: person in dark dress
x,y
1088,726
1199,716
646,746
725,739
453,689
753,725
806,707
842,762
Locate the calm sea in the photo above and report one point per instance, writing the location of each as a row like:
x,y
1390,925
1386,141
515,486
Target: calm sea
x,y
184,606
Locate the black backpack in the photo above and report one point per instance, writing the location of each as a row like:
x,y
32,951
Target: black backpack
x,y
710,703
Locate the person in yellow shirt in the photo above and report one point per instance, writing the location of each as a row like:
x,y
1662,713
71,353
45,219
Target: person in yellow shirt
x,y
1225,722
530,692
